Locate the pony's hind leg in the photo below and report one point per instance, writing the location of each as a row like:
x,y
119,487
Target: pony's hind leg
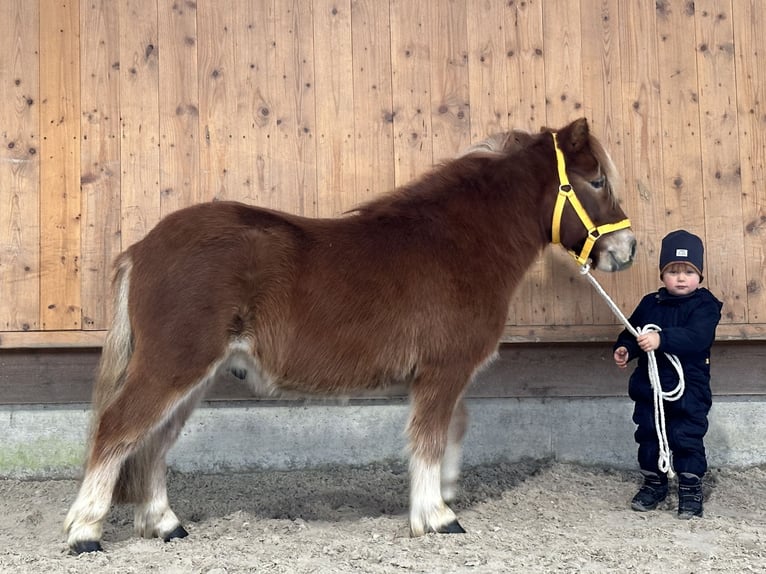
x,y
122,461
433,403
84,522
153,515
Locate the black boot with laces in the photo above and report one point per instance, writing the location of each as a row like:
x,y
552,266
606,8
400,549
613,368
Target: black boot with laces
x,y
653,491
689,495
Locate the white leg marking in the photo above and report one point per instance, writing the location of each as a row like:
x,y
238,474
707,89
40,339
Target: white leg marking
x,y
155,518
451,470
428,512
85,520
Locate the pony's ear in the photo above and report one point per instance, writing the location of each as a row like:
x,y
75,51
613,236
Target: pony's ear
x,y
576,135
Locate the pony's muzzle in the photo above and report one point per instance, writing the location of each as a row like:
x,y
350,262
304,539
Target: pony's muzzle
x,y
617,251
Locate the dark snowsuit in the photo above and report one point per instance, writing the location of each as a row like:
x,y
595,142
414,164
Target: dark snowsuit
x,y
687,326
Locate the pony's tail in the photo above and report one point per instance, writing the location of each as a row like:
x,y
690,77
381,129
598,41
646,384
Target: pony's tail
x,y
118,346
115,358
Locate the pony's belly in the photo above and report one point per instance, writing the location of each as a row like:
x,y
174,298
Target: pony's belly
x,y
241,365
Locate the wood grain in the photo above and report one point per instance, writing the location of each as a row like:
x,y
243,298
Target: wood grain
x,y
113,115
60,196
749,19
99,158
19,167
720,163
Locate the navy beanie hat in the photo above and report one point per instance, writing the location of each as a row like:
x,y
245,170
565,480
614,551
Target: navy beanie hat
x,y
681,247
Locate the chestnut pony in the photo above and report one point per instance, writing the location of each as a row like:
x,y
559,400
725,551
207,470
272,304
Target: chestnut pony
x,y
410,289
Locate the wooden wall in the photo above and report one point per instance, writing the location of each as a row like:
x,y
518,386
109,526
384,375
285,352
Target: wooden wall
x,y
115,113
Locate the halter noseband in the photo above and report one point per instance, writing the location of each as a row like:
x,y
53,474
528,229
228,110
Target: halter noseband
x,y
566,193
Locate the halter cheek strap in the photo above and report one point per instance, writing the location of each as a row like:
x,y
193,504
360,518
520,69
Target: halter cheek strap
x,y
567,194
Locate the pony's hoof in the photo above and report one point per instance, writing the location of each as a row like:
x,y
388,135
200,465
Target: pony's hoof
x,y
85,546
452,528
179,532
239,372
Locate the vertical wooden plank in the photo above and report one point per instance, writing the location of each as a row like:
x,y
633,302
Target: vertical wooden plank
x,y
524,69
450,95
749,20
217,97
602,105
489,100
60,209
334,107
644,197
19,166
525,87
720,165
294,161
99,157
139,119
679,105
411,72
572,303
253,76
373,105
178,105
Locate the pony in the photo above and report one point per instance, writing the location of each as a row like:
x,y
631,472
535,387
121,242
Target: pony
x,y
410,289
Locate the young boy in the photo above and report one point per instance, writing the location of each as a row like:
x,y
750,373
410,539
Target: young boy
x,y
687,316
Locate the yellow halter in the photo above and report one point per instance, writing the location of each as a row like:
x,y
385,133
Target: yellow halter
x,y
566,193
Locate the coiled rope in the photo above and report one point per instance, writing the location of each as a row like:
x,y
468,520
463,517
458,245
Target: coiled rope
x,y
664,461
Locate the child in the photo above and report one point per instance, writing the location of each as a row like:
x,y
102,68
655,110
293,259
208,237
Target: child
x,y
687,316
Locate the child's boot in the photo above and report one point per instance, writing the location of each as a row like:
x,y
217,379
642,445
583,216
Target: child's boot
x,y
689,495
653,491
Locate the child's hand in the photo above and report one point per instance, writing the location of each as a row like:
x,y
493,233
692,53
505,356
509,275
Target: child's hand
x,y
649,341
621,357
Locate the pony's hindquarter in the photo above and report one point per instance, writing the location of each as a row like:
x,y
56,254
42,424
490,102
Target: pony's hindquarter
x,y
132,428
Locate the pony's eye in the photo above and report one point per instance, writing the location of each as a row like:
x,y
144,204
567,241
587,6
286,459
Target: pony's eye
x,y
598,183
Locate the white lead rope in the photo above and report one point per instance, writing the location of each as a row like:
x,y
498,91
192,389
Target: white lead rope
x,y
663,461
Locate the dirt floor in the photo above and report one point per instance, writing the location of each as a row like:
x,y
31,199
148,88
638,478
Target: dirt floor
x,y
533,516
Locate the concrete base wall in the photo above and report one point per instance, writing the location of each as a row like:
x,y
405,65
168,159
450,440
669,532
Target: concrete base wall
x,y
48,442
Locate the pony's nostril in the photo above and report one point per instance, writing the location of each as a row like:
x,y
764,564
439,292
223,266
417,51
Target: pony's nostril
x,y
633,245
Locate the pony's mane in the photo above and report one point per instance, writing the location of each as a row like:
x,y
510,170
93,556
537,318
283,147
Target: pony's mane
x,y
445,175
494,147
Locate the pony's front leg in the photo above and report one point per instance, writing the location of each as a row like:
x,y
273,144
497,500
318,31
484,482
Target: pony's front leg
x,y
453,452
428,511
432,411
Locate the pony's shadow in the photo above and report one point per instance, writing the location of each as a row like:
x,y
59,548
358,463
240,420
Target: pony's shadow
x,y
331,494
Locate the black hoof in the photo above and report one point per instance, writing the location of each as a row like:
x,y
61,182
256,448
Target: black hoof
x,y
179,532
85,546
452,528
241,374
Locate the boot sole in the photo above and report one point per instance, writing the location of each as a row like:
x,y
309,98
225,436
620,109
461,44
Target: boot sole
x,y
638,507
